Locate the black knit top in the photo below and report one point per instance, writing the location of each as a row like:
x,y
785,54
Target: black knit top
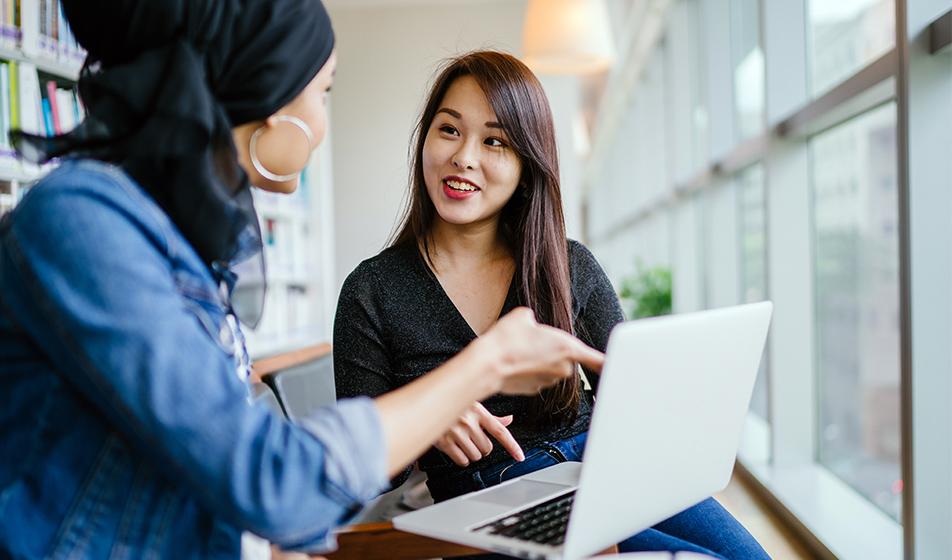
x,y
395,323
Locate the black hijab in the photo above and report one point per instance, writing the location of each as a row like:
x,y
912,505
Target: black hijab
x,y
163,84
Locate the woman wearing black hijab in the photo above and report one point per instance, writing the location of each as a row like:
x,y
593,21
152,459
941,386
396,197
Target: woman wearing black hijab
x,y
124,431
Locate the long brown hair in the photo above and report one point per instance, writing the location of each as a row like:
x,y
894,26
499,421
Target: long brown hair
x,y
531,221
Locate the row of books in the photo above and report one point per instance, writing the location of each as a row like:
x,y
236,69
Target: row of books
x,y
34,105
10,21
39,28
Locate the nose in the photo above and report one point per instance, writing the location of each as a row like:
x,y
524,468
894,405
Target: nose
x,y
464,158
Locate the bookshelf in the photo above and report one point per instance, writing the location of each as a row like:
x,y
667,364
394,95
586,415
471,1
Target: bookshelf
x,y
39,65
297,231
41,61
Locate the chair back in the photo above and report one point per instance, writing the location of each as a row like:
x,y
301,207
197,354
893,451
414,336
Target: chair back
x,y
303,381
303,388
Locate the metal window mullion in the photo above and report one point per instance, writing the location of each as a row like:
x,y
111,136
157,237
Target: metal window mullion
x,y
901,53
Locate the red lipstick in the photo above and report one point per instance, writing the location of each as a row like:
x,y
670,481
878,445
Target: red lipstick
x,y
458,188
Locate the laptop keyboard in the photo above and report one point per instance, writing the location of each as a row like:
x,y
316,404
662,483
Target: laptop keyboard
x,y
544,523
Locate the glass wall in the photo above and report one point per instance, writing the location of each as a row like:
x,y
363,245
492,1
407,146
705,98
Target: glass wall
x,y
747,55
781,192
752,219
855,213
845,35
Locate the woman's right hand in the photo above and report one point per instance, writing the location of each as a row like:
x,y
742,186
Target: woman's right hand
x,y
528,356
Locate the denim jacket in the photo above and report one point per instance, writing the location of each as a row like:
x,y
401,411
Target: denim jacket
x,y
124,431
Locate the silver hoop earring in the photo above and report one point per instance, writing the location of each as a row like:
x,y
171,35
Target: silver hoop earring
x,y
253,148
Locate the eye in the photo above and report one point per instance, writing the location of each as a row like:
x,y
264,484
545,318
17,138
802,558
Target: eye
x,y
447,129
495,143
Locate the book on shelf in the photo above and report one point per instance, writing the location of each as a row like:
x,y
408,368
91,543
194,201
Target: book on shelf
x,y
39,28
53,124
33,104
9,23
5,124
31,99
39,61
68,103
14,93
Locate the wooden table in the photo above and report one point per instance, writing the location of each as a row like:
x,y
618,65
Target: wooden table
x,y
380,541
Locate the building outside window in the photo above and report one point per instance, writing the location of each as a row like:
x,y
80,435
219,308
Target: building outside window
x,y
856,254
845,35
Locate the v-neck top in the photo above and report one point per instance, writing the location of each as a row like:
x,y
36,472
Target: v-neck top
x,y
395,323
509,302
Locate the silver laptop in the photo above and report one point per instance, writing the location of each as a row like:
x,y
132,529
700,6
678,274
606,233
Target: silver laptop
x,y
664,435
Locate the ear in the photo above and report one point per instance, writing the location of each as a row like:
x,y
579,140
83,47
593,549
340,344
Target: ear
x,y
270,122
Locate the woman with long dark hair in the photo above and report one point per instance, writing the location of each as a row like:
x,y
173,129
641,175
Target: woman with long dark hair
x,y
124,429
484,233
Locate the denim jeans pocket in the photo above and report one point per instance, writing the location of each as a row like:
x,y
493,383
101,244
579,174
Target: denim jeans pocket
x,y
572,448
536,459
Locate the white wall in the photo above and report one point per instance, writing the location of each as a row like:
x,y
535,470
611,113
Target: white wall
x,y
387,57
564,99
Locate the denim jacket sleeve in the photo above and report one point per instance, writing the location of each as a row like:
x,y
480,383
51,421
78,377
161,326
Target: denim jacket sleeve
x,y
88,275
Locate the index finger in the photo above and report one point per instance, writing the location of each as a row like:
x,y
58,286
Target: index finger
x,y
590,358
501,434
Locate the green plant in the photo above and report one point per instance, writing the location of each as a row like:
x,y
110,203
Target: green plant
x,y
647,293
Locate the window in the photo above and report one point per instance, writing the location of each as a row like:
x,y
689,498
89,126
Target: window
x,y
748,59
845,35
824,130
856,268
752,218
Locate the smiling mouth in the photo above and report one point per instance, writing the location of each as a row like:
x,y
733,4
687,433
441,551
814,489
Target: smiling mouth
x,y
460,186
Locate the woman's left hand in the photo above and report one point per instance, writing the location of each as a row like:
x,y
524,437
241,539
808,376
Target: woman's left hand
x,y
467,440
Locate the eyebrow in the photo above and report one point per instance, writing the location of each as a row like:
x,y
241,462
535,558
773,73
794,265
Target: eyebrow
x,y
456,114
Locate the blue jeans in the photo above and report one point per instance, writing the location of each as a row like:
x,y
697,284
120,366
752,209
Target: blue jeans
x,y
705,528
